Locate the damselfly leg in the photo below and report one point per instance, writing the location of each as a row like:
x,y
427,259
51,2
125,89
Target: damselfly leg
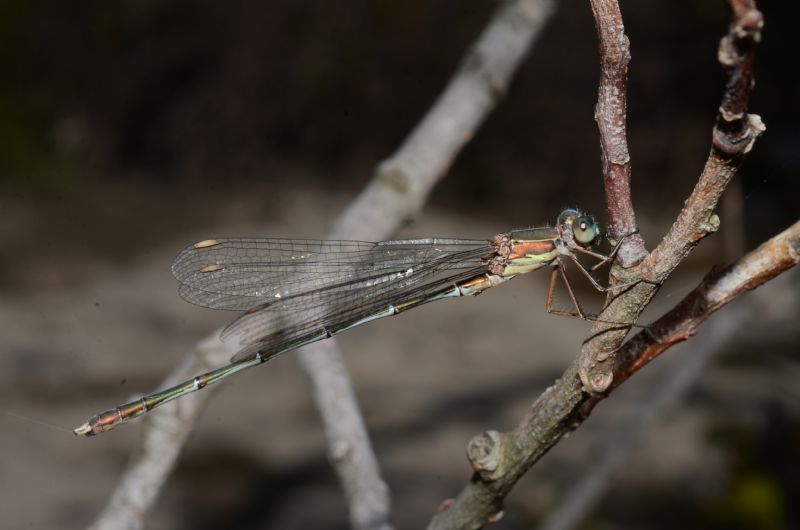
x,y
560,270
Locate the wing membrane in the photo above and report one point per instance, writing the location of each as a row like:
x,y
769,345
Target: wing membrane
x,y
241,273
291,288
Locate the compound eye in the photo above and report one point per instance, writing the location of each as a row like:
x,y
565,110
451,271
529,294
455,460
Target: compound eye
x,y
585,230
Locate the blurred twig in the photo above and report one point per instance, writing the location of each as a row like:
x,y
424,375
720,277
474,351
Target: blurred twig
x,y
500,459
397,192
162,439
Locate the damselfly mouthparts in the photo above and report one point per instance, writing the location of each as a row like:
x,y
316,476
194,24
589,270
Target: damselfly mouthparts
x,y
296,292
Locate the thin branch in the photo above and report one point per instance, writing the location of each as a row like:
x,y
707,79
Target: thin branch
x,y
610,114
162,439
397,192
733,137
403,181
499,460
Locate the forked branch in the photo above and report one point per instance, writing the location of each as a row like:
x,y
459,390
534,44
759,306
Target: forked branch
x,y
733,136
500,459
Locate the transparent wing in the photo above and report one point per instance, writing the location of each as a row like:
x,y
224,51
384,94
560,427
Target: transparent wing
x,y
293,288
239,274
271,332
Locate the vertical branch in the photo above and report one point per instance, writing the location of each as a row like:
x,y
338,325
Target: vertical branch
x,y
733,136
610,115
346,438
399,189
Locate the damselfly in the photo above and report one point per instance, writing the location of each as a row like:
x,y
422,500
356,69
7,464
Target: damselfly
x,y
296,292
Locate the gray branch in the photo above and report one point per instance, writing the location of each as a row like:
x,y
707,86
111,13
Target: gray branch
x,y
397,192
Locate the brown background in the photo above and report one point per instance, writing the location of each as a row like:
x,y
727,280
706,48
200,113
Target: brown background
x,y
130,129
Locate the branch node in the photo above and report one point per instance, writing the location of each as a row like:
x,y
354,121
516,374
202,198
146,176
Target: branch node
x,y
445,505
736,137
726,55
476,62
710,225
602,356
793,248
749,25
394,177
600,381
340,451
484,453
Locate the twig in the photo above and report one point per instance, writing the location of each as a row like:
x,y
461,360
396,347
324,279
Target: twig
x,y
733,136
610,114
499,460
397,191
163,436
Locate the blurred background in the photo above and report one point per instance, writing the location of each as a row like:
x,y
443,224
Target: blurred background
x,y
130,129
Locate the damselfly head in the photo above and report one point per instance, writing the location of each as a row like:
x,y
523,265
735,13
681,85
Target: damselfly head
x,y
580,227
